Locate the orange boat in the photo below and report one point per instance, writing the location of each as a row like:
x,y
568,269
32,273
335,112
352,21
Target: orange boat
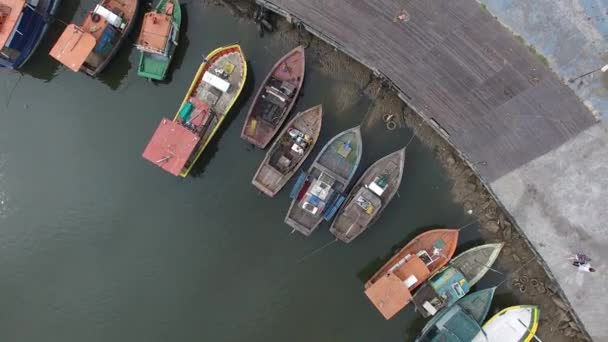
x,y
390,289
91,46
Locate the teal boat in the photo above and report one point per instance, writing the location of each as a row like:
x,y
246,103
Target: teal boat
x,y
462,321
158,39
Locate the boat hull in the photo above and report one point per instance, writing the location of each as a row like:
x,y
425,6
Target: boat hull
x,y
265,117
268,178
339,169
474,263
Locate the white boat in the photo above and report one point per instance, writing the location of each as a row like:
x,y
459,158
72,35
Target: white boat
x,y
513,324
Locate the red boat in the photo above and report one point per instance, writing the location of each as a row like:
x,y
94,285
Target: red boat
x,y
390,289
275,99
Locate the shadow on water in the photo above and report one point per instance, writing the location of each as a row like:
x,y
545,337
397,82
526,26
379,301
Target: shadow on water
x,y
372,267
41,65
182,47
117,70
243,99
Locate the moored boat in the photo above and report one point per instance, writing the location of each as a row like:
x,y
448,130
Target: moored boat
x,y
90,46
275,99
390,289
289,150
23,24
513,324
461,322
158,39
177,144
454,281
368,198
318,193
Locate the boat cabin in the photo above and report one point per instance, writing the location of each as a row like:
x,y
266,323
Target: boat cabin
x,y
442,290
318,195
158,32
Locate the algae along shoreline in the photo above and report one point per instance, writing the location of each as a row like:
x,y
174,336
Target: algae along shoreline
x,y
525,279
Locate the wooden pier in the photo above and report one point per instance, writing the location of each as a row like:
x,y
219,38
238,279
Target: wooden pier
x,y
486,92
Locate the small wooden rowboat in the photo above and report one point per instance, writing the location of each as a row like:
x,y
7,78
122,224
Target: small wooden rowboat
x,y
513,324
368,198
318,193
90,47
289,151
390,289
177,144
158,39
454,281
275,99
462,321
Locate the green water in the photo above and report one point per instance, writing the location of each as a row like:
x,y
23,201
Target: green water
x,y
97,244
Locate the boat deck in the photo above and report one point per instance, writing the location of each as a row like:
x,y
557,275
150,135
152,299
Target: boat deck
x,y
475,262
333,159
268,111
123,8
352,219
273,174
207,93
301,219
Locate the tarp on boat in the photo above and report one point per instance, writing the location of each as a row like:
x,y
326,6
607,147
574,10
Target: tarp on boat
x,y
73,47
171,146
389,294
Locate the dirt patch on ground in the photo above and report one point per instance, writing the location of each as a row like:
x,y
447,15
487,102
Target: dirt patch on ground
x,y
527,279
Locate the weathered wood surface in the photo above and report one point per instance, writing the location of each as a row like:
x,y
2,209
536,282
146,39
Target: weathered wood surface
x,y
454,63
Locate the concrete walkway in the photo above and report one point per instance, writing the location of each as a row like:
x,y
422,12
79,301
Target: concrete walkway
x,y
542,153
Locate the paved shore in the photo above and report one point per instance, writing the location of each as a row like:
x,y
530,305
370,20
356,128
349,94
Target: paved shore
x,y
529,137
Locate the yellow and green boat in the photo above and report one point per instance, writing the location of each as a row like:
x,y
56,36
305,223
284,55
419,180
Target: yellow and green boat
x,y
177,144
158,39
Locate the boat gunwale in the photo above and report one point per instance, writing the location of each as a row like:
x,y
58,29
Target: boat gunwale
x,y
299,49
316,111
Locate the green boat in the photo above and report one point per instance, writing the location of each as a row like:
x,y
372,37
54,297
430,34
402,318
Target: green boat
x,y
158,39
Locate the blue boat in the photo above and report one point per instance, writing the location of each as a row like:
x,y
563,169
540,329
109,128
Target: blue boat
x,y
23,23
462,321
441,291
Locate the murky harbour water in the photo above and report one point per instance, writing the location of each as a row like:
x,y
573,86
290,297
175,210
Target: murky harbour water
x,y
97,244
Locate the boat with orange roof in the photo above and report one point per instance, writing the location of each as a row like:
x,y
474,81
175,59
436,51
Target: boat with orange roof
x,y
275,99
390,289
90,46
23,24
158,39
177,144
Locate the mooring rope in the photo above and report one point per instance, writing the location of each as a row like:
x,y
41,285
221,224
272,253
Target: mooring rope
x,y
316,251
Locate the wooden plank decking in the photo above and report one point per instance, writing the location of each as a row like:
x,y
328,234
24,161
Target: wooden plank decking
x,y
458,67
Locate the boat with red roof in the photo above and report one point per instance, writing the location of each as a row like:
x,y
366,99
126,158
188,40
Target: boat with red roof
x,y
177,144
390,289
